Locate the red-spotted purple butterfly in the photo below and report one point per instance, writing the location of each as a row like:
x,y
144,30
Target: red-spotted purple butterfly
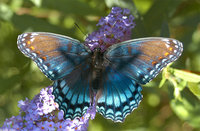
x,y
113,77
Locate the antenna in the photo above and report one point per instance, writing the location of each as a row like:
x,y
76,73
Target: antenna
x,y
79,28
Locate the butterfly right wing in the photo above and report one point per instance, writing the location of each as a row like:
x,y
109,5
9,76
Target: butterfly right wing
x,y
143,59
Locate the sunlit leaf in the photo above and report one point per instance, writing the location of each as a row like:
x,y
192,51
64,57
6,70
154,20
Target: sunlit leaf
x,y
162,82
187,76
16,4
37,2
181,85
161,10
194,88
5,12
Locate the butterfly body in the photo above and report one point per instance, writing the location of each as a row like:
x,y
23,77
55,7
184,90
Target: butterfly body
x,y
109,79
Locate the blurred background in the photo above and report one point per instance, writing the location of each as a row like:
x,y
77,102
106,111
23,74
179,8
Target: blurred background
x,y
174,107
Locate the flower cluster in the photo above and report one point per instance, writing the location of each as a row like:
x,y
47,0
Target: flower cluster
x,y
114,28
42,113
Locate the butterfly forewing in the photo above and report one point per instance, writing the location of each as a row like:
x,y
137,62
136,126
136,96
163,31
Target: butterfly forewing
x,y
143,59
55,55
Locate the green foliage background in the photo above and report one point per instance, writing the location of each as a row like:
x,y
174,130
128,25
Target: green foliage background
x,y
174,107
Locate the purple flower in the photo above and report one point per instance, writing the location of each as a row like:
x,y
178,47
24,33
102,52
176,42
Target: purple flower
x,y
42,113
115,28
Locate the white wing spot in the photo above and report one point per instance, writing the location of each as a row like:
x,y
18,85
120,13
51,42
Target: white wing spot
x,y
40,60
175,41
167,45
145,76
31,36
166,40
151,72
27,49
170,56
34,34
19,37
34,54
164,60
50,72
32,39
45,67
25,35
157,65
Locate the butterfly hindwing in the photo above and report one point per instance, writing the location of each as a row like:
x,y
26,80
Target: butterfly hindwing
x,y
72,93
118,97
143,59
56,55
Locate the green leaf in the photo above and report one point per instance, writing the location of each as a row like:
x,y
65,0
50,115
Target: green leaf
x,y
34,24
177,93
37,2
5,12
75,7
181,85
187,109
179,109
161,10
187,76
162,82
16,4
194,88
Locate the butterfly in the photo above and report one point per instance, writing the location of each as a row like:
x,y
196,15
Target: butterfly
x,y
112,77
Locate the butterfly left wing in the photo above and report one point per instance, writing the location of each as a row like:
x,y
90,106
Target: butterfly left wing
x,y
119,95
143,59
55,55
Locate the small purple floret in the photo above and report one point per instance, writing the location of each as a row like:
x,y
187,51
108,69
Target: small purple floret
x,y
42,113
114,28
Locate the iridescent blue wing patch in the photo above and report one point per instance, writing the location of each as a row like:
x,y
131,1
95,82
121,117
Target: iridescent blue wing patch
x,y
72,93
143,59
118,97
56,55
